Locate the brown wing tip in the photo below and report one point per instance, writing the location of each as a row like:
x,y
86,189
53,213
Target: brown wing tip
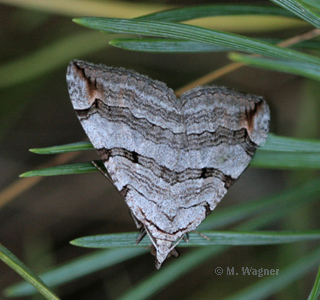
x,y
257,122
82,83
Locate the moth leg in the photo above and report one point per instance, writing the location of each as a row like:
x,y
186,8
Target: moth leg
x,y
136,221
186,237
153,251
104,173
141,235
174,252
139,225
202,235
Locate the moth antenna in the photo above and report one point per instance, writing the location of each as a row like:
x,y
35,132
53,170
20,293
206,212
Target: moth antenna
x,y
104,173
176,244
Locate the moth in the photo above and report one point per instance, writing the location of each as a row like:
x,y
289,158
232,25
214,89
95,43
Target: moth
x,y
172,159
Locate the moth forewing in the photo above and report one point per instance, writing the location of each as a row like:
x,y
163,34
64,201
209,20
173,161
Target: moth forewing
x,y
173,159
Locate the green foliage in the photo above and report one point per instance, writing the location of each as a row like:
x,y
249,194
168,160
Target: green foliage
x,y
277,153
13,262
76,269
315,292
195,34
261,212
209,238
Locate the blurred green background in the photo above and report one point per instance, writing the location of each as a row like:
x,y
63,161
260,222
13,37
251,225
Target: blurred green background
x,y
38,39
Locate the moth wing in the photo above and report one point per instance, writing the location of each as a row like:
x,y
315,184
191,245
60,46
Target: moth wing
x,y
135,124
130,119
223,130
